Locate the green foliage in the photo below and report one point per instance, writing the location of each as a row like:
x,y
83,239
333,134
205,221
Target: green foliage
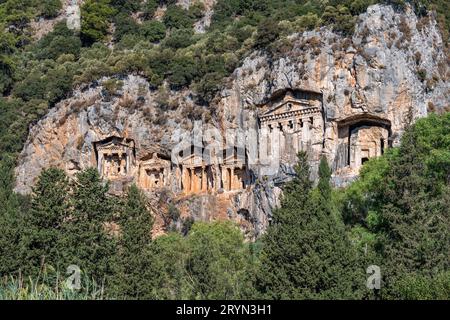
x,y
127,6
7,48
14,118
217,263
153,31
402,198
48,286
420,287
168,268
184,70
91,210
324,186
133,257
50,8
42,233
60,41
268,32
95,22
340,18
50,82
178,39
149,8
124,24
306,237
177,18
11,221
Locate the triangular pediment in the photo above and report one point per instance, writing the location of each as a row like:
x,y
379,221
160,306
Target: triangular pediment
x,y
154,160
192,158
287,105
113,143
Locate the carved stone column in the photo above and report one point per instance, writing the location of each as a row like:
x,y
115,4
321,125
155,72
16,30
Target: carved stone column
x,y
193,179
204,180
263,141
184,178
100,163
275,154
233,180
282,143
306,135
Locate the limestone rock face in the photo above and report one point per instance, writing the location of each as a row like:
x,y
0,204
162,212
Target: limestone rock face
x,y
367,87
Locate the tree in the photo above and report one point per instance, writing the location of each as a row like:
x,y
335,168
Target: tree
x,y
268,33
218,261
95,20
88,241
43,224
414,219
50,8
149,8
11,220
168,268
401,199
306,254
177,18
132,275
340,18
177,39
324,179
7,48
153,30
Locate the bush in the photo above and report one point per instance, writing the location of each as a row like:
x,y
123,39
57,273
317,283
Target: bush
x,y
95,20
124,25
153,31
50,8
268,32
184,71
177,39
149,8
422,287
177,18
340,18
60,41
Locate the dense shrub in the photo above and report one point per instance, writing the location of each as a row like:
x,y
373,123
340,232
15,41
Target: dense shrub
x,y
153,31
95,22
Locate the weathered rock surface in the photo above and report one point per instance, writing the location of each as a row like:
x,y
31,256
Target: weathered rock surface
x,y
393,68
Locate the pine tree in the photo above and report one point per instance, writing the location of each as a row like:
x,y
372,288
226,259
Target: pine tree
x,y
414,218
324,179
43,224
132,279
11,220
306,254
88,242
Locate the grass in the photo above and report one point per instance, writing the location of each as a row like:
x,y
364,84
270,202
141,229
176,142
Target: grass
x,y
48,288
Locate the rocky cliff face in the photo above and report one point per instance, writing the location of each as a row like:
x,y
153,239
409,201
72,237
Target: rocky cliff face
x,y
391,71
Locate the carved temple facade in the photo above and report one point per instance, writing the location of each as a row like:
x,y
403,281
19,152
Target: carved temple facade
x,y
361,137
209,171
115,157
292,120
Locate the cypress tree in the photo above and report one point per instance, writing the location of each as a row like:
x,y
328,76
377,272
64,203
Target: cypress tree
x,y
306,254
11,220
42,233
132,276
88,241
414,236
324,179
